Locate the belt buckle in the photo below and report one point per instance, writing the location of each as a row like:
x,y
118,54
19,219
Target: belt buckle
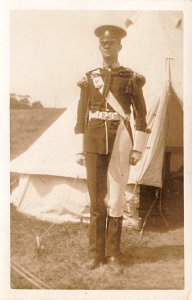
x,y
105,115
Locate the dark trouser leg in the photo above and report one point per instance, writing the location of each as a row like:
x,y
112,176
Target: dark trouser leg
x,y
113,238
97,166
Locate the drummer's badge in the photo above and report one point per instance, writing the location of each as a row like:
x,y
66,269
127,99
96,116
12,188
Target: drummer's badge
x,y
97,79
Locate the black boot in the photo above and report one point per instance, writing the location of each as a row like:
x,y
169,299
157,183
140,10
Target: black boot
x,y
113,238
97,167
97,233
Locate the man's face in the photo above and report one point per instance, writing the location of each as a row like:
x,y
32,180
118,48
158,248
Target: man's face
x,y
110,48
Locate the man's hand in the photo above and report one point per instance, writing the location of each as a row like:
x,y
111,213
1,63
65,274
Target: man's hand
x,y
135,156
80,159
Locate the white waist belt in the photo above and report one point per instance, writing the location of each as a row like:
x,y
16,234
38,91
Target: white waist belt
x,y
106,115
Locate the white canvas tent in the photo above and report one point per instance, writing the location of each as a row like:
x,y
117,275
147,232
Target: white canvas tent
x,y
52,185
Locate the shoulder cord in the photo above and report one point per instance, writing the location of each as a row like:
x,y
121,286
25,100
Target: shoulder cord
x,y
107,81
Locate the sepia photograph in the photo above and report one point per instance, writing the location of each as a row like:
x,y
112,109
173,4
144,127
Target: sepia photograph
x,y
97,166
78,167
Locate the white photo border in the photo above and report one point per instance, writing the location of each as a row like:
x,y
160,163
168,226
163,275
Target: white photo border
x,y
9,294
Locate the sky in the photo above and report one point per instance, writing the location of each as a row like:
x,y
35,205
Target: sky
x,y
51,50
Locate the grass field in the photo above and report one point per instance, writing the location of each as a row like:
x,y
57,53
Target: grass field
x,y
26,126
156,262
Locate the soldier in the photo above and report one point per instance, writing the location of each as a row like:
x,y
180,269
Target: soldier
x,y
105,143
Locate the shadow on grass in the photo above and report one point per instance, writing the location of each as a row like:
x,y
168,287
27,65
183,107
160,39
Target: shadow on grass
x,y
134,255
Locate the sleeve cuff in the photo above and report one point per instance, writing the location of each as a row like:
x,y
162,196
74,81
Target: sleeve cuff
x,y
140,141
79,143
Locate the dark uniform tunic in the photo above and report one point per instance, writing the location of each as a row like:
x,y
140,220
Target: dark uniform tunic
x,y
99,139
126,86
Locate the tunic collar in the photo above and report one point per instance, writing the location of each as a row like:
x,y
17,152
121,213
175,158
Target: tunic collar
x,y
113,66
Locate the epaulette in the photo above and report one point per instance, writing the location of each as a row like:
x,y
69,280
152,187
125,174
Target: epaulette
x,y
129,71
83,82
139,79
135,80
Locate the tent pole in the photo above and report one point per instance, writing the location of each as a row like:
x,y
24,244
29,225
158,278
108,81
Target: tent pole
x,y
160,210
158,198
168,69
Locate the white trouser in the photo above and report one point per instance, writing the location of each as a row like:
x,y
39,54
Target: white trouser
x,y
118,172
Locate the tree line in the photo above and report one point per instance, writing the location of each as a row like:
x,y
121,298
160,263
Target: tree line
x,y
23,102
